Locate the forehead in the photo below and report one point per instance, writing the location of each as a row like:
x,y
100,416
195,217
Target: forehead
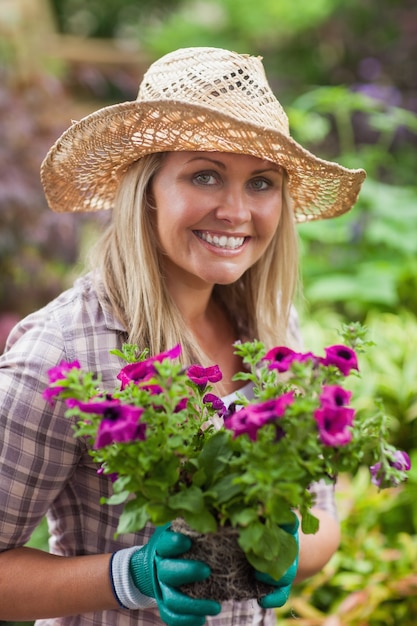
x,y
222,158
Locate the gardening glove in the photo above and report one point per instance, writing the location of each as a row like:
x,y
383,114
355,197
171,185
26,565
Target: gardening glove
x,y
148,576
280,595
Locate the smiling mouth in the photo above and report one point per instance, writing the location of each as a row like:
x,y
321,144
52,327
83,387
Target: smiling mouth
x,y
222,241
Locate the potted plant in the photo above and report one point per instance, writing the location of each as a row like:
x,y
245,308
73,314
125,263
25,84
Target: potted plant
x,y
177,454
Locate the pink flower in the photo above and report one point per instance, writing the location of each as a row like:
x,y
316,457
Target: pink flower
x,y
333,417
342,357
120,423
282,358
252,417
182,404
59,372
201,376
216,403
400,461
334,396
334,425
143,370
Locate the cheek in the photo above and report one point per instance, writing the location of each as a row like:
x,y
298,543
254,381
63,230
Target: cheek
x,y
270,220
172,222
162,228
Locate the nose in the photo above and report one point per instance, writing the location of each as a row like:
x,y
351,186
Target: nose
x,y
233,206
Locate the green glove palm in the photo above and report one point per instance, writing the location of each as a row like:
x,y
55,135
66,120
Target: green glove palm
x,y
157,572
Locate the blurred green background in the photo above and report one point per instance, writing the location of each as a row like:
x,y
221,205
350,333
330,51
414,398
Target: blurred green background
x,y
346,74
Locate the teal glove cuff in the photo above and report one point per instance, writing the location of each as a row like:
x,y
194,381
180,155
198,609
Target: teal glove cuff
x,y
125,591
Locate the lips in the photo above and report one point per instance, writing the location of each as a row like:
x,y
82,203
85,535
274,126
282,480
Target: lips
x,y
221,241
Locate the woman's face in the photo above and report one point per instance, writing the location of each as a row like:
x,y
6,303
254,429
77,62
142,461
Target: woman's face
x,y
216,213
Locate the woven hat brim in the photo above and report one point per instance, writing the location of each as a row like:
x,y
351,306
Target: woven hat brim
x,y
82,171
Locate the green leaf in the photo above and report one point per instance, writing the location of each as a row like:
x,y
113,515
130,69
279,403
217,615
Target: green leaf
x,y
225,489
191,499
278,507
133,518
243,376
269,549
116,498
202,522
309,523
244,517
216,453
158,513
200,477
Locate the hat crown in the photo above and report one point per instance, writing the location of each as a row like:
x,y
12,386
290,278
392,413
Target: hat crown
x,y
226,82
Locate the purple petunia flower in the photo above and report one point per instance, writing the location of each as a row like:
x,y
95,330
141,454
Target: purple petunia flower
x,y
282,358
120,423
59,372
216,402
252,417
342,357
334,424
154,390
334,396
50,393
333,417
201,376
401,461
143,370
136,372
182,404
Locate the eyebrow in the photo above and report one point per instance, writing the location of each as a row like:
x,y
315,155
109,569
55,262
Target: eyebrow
x,y
272,167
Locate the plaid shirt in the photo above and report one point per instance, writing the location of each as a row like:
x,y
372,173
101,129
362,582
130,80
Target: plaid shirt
x,y
44,470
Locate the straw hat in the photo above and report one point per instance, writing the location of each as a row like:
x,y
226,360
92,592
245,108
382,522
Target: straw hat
x,y
198,99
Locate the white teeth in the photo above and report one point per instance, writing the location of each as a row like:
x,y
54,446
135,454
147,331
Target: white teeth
x,y
223,241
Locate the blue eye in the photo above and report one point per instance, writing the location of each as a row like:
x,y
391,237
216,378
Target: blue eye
x,y
260,184
205,178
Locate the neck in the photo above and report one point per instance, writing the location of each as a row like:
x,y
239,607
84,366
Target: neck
x,y
212,329
216,334
192,298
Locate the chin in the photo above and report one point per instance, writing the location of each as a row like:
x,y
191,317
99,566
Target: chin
x,y
228,279
222,276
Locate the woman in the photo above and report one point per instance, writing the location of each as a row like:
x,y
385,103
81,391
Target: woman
x,y
205,186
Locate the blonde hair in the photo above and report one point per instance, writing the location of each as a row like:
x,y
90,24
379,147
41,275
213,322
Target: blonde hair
x,y
128,263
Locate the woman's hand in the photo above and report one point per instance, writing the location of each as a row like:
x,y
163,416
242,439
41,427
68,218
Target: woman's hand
x,y
157,572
